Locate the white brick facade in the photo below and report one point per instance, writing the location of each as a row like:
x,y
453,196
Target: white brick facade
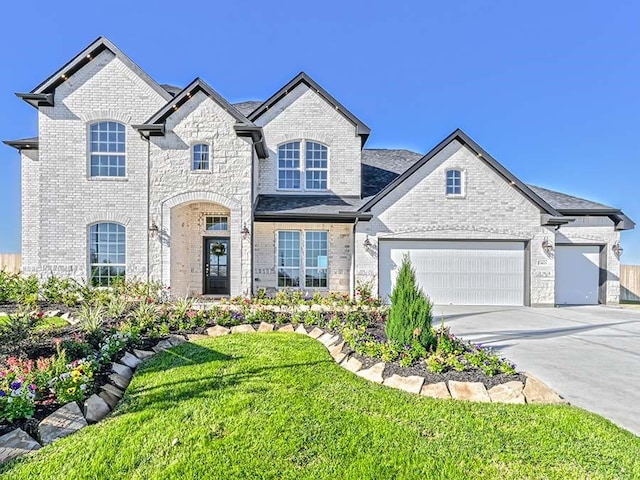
x,y
162,202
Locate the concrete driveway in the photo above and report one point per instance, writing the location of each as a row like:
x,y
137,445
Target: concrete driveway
x,y
589,354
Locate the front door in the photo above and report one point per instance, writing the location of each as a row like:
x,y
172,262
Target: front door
x,y
216,266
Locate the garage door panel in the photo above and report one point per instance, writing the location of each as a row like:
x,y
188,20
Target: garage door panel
x,y
577,274
464,273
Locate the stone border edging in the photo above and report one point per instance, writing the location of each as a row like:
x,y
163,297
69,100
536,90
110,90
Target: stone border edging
x,y
69,418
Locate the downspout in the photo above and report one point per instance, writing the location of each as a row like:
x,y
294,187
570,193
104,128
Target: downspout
x,y
252,252
148,210
353,261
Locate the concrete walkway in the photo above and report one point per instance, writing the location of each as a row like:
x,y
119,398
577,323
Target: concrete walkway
x,y
588,354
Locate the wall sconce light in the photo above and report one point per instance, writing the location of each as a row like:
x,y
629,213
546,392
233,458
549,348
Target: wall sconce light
x,y
153,229
245,231
617,250
367,243
547,247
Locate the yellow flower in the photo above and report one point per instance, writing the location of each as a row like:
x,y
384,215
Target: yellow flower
x,y
71,390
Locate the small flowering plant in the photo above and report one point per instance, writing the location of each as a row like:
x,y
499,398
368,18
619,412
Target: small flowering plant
x,y
74,384
17,400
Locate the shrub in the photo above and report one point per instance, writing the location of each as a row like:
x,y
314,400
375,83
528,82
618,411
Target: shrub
x,y
410,313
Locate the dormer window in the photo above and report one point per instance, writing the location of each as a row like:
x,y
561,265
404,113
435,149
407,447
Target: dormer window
x,y
310,163
107,149
454,182
200,157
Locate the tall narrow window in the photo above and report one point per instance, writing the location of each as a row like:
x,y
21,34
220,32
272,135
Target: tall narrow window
x,y
289,166
288,259
454,182
316,166
107,246
316,259
107,149
201,157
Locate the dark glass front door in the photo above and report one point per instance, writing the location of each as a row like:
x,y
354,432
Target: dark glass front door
x,y
216,266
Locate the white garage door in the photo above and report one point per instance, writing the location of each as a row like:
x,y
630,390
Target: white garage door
x,y
577,274
459,273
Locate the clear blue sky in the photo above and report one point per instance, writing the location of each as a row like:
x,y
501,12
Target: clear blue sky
x,y
551,89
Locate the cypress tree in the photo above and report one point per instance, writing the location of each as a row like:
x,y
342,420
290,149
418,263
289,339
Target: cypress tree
x,y
410,314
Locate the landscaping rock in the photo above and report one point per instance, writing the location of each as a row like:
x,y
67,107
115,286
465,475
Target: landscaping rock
x,y
119,381
316,308
328,339
265,327
73,320
162,345
336,350
535,391
142,354
301,330
130,360
217,331
176,340
470,391
411,384
50,313
66,316
4,314
373,374
510,392
246,328
435,390
62,422
111,399
194,337
123,370
286,328
316,333
113,390
352,364
95,408
15,444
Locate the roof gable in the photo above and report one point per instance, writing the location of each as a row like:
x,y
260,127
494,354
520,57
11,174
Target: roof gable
x,y
302,78
465,140
42,95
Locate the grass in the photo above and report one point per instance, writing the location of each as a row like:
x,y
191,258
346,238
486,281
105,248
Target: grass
x,y
275,406
50,323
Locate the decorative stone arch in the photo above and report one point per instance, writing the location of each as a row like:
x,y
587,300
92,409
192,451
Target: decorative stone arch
x,y
106,216
105,115
235,226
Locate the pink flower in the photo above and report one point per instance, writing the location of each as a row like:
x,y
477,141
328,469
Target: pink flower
x,y
40,314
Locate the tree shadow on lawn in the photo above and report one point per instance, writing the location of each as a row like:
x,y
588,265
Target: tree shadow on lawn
x,y
196,383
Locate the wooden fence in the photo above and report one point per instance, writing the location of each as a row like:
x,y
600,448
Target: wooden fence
x,y
10,262
630,283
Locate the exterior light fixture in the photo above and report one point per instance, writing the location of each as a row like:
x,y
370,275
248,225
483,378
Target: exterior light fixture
x,y
367,243
547,247
617,250
153,229
245,231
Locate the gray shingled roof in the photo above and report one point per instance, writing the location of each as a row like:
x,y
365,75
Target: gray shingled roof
x,y
306,204
245,108
381,166
562,201
172,89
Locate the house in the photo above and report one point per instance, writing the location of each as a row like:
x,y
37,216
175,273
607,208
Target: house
x,y
130,177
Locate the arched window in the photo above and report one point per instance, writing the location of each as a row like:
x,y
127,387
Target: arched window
x,y
200,157
454,182
107,248
310,162
107,149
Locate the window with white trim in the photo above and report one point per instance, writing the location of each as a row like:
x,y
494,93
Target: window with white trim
x,y
107,253
107,149
294,163
454,182
200,157
303,257
216,223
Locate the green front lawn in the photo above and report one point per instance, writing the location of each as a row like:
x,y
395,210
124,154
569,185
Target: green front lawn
x,y
276,406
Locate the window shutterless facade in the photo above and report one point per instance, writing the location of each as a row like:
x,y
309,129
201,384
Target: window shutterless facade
x,y
217,223
107,253
107,147
296,164
302,258
200,157
454,182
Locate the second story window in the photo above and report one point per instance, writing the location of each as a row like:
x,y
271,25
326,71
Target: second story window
x,y
107,149
296,163
454,182
200,157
